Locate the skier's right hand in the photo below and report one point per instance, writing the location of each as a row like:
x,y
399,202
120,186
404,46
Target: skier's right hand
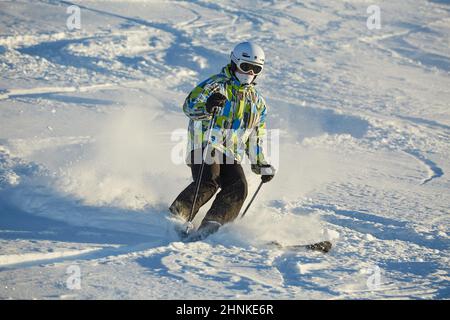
x,y
215,102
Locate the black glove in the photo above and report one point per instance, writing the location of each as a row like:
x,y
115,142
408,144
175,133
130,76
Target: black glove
x,y
215,102
266,170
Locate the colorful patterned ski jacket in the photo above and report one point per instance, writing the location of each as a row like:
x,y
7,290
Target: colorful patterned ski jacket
x,y
240,126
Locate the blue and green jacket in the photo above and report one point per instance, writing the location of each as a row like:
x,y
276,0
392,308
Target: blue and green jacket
x,y
239,127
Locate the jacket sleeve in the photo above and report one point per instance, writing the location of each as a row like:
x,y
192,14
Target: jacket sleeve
x,y
195,104
254,147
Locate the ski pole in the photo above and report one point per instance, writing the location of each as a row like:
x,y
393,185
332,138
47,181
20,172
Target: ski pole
x,y
253,198
190,226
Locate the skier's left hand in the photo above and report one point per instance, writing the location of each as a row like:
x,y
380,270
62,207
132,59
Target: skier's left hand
x,y
266,171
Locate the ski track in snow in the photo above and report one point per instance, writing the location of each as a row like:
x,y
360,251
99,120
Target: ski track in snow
x,y
365,137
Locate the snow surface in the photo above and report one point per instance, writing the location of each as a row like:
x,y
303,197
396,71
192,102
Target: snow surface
x,y
89,121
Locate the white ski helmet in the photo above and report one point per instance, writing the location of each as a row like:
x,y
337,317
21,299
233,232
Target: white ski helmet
x,y
247,55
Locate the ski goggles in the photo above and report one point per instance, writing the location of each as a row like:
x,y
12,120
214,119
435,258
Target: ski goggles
x,y
247,66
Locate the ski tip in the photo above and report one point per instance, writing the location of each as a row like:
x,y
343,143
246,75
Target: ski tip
x,y
323,246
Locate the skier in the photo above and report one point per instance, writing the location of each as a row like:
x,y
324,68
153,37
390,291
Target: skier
x,y
238,112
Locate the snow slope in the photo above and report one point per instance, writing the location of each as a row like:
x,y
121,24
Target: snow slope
x,y
90,129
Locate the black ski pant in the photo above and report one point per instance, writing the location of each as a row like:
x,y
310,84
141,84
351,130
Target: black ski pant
x,y
226,175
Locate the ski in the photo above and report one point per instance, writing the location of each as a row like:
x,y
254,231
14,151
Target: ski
x,y
195,235
199,235
323,246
